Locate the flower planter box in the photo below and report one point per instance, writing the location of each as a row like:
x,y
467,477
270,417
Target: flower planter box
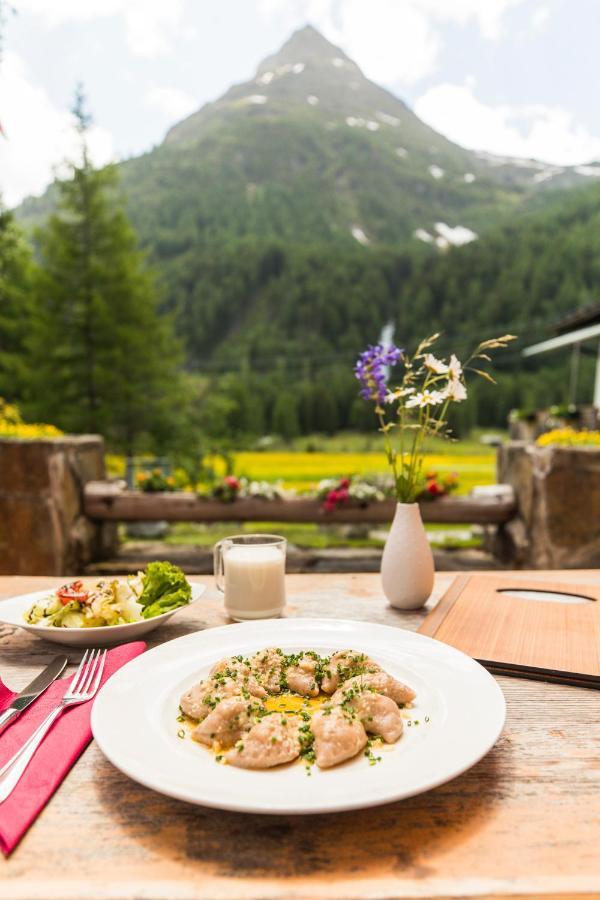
x,y
557,490
43,528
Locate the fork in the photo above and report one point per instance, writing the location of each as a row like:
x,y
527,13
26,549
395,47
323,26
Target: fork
x,y
83,687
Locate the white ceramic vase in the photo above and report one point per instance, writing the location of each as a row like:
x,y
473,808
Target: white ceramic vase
x,y
407,564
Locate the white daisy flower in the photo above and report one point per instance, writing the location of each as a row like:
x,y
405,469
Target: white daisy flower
x,y
454,369
456,391
397,394
425,398
435,365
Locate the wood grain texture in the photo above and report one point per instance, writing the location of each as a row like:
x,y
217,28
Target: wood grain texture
x,y
480,617
106,501
524,821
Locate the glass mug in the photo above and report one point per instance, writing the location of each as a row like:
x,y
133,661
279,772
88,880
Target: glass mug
x,y
250,572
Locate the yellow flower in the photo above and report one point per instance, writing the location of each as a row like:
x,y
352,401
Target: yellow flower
x,y
569,437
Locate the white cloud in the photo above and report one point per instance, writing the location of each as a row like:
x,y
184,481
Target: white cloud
x,y
392,40
39,135
150,25
541,132
540,17
172,102
487,14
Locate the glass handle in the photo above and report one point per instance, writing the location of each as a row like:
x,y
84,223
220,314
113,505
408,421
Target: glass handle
x,y
218,566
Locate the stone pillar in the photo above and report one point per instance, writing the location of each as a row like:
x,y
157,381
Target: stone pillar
x,y
42,527
557,490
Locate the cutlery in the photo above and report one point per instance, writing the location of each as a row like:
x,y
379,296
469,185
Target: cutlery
x,y
83,687
33,690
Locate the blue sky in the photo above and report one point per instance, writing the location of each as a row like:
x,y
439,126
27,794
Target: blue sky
x,y
514,77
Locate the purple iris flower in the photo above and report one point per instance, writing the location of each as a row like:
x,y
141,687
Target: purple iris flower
x,y
372,370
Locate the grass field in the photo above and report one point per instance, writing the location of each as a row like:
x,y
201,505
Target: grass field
x,y
306,461
304,470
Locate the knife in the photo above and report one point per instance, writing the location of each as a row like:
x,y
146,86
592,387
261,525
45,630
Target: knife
x,y
33,690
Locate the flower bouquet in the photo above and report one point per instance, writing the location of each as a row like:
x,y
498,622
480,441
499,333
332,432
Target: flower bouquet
x,y
438,485
155,482
228,489
415,409
232,488
339,492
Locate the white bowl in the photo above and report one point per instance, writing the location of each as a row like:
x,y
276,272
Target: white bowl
x,y
12,612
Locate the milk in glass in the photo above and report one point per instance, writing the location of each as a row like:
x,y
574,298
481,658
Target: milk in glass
x,y
253,579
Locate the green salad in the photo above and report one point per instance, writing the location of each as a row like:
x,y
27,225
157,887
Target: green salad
x,y
160,588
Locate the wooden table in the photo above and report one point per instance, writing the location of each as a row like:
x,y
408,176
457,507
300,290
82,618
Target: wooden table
x,y
524,821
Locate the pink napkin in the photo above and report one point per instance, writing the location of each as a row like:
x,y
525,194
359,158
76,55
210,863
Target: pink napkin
x,y
62,746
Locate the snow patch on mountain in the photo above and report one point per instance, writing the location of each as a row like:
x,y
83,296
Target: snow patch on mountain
x,y
436,172
287,68
494,160
257,99
402,152
423,235
359,235
447,235
468,178
312,100
588,171
358,122
387,119
545,174
337,61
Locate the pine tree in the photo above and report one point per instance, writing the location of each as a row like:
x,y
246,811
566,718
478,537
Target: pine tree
x,y
104,360
285,416
17,274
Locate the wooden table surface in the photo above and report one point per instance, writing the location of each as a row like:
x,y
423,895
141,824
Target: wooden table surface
x,y
523,821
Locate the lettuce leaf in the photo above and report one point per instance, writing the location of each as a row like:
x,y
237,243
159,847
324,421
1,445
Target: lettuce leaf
x,y
165,588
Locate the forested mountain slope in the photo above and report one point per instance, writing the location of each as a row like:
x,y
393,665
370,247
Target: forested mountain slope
x,y
296,215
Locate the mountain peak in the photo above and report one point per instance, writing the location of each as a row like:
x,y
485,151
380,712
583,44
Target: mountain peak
x,y
307,44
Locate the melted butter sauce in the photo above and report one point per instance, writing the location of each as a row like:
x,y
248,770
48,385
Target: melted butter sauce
x,y
294,703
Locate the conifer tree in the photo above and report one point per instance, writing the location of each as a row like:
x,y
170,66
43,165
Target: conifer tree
x,y
104,360
16,284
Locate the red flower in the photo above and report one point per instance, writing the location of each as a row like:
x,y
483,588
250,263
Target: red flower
x,y
232,482
435,489
337,497
345,483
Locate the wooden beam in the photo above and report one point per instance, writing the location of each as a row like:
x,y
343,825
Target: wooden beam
x,y
107,501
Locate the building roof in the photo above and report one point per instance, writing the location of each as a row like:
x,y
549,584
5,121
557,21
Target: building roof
x,y
588,315
564,340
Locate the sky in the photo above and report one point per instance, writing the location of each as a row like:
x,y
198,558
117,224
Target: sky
x,y
513,77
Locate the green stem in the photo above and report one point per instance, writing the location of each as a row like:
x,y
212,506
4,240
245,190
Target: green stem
x,y
389,450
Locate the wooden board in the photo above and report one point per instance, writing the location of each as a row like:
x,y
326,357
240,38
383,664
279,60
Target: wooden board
x,y
529,638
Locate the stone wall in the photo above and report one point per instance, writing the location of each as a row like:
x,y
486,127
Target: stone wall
x,y
42,527
558,495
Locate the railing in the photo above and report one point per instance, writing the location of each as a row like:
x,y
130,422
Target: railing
x,y
107,501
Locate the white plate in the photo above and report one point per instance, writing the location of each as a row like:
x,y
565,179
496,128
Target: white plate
x,y
134,720
12,612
